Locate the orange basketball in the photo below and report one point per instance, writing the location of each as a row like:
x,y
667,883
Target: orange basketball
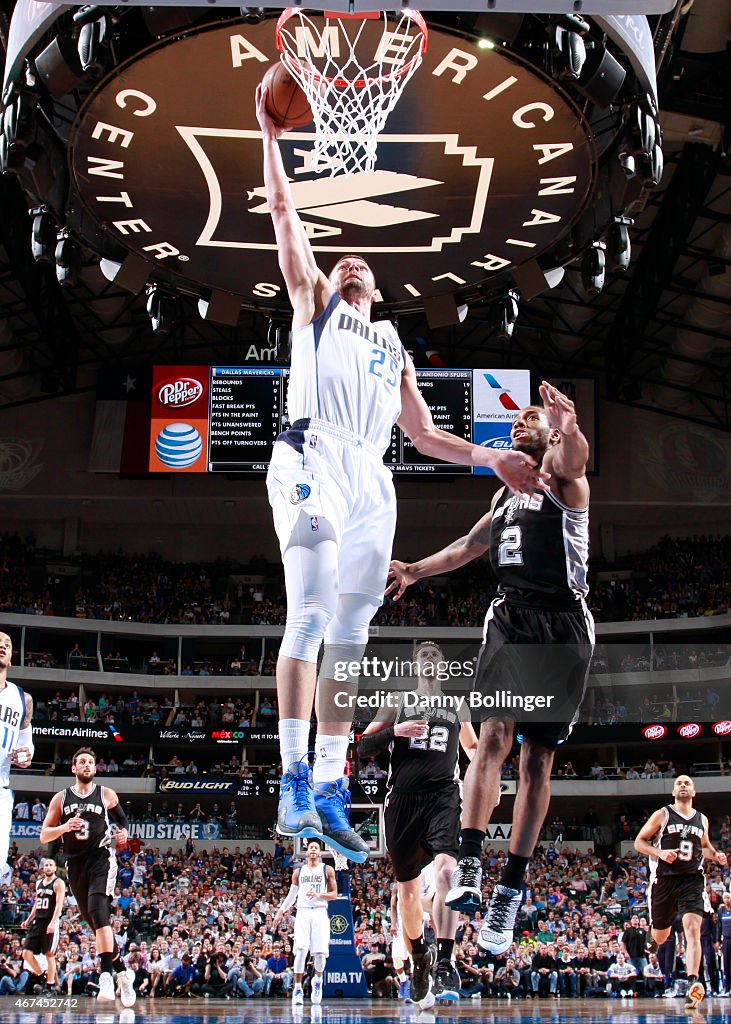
x,y
285,102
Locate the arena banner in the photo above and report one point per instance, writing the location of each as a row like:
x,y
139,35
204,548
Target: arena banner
x,y
25,830
154,831
188,784
344,975
498,832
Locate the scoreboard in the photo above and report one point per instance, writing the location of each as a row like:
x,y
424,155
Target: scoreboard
x,y
225,419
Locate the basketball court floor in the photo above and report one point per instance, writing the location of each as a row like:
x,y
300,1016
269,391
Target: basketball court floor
x,y
210,1011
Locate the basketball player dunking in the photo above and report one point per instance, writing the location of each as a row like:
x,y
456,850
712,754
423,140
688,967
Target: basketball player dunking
x,y
538,634
82,816
422,815
676,840
16,746
333,499
313,886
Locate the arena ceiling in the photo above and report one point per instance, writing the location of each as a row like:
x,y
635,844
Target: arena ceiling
x,y
656,336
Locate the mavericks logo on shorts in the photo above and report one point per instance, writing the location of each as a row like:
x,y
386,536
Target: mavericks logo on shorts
x,y
338,924
299,493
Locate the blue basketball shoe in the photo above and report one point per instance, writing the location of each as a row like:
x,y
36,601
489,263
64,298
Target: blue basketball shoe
x,y
333,804
297,816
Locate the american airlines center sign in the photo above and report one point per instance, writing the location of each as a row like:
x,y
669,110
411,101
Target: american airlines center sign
x,y
483,165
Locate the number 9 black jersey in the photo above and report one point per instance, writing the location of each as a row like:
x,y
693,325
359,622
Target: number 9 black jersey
x,y
681,834
96,833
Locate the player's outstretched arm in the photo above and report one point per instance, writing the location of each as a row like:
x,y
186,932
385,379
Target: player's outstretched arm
x,y
567,460
516,469
308,288
460,552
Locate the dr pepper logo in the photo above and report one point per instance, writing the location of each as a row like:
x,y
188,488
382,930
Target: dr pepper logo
x,y
654,732
179,391
689,731
722,728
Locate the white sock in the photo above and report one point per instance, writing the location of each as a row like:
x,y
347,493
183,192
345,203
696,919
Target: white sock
x,y
331,752
294,734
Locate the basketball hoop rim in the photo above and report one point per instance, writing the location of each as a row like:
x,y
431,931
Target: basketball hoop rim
x,y
344,83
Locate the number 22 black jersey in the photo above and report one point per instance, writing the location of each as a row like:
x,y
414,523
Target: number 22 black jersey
x,y
539,549
429,763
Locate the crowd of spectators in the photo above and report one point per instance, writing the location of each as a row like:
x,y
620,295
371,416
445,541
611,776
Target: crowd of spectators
x,y
200,923
677,577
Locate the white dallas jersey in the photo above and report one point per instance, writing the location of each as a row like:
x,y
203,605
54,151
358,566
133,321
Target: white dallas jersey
x,y
347,371
311,880
12,713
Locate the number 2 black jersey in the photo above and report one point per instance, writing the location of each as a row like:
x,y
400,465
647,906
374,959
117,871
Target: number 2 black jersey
x,y
539,549
429,763
681,834
92,808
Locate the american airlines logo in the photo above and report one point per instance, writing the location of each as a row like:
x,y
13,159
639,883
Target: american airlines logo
x,y
483,164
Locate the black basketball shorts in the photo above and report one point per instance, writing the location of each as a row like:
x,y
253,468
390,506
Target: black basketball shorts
x,y
533,667
670,895
419,825
38,939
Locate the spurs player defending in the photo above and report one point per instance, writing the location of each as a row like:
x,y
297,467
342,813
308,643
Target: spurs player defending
x,y
422,814
313,886
42,925
16,746
333,499
676,840
82,817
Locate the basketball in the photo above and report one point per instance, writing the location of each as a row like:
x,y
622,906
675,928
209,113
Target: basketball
x,y
286,103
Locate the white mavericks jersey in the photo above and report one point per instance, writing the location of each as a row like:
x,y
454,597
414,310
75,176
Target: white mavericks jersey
x,y
347,372
12,713
311,880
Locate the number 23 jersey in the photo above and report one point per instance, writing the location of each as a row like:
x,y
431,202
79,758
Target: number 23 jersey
x,y
347,371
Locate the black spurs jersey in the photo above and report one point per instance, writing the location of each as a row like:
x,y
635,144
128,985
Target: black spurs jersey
x,y
681,834
45,902
429,763
93,810
539,549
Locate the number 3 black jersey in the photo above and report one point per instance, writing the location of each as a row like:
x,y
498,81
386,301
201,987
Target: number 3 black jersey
x,y
429,763
97,832
539,549
681,834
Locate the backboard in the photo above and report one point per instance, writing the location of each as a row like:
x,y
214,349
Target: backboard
x,y
367,820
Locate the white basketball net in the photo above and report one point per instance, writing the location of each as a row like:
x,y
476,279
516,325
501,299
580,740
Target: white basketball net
x,y
351,93
340,862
